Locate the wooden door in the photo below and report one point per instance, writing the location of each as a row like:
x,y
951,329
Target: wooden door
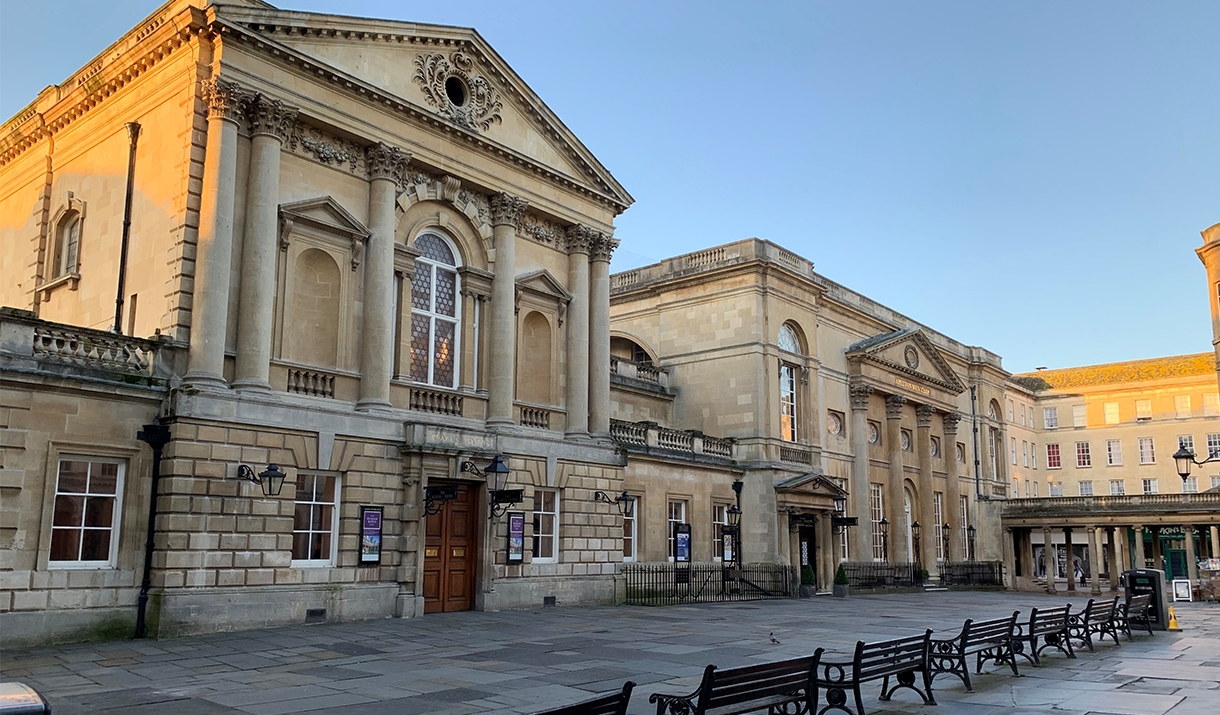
x,y
450,556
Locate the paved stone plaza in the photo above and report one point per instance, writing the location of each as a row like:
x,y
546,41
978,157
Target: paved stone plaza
x,y
521,661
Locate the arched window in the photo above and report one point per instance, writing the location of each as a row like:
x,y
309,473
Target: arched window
x,y
789,341
67,245
435,312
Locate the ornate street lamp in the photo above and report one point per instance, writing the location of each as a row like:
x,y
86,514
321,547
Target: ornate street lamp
x,y
970,532
625,502
916,529
499,499
884,528
271,479
1185,459
946,532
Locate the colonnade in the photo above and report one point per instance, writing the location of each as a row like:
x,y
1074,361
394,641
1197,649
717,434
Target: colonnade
x,y
270,122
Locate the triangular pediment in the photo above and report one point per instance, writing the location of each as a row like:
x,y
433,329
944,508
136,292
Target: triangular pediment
x,y
324,213
810,483
413,62
542,282
909,352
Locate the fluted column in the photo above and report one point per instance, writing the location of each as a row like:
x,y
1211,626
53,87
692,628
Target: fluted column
x,y
386,166
897,496
214,247
599,334
270,122
862,550
579,239
506,211
926,508
951,507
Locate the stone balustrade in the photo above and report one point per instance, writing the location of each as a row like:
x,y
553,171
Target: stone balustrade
x,y
627,371
649,436
29,342
436,402
1047,506
311,382
535,417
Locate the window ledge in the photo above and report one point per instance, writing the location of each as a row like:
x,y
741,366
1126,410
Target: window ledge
x,y
311,564
69,279
81,566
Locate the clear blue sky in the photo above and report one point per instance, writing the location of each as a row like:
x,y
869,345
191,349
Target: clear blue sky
x,y
1027,176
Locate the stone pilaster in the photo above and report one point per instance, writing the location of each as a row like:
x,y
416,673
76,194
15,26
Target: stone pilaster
x,y
896,496
925,510
214,249
951,507
1050,557
270,123
1192,559
1140,559
506,211
599,333
862,549
1215,539
1070,574
579,240
386,165
1095,559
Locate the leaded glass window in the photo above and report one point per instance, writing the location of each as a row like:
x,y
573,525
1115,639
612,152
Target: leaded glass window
x,y
434,313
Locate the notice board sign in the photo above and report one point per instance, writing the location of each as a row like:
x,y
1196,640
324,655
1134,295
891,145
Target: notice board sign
x,y
516,537
682,543
1181,589
370,535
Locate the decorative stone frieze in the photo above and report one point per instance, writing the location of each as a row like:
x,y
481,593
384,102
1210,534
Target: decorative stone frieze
x,y
271,116
507,209
893,406
950,420
543,231
859,396
480,201
450,188
923,415
602,248
326,149
225,99
451,86
386,162
580,238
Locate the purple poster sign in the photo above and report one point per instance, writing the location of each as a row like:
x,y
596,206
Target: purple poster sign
x,y
516,537
370,535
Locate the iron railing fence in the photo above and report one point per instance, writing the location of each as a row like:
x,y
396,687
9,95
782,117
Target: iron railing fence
x,y
669,583
972,573
882,574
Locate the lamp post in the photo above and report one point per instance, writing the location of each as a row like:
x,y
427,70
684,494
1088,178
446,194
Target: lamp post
x,y
884,527
970,532
733,530
499,499
946,532
915,531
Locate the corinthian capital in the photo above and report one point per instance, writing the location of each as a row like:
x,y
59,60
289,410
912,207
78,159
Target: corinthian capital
x,y
507,209
893,406
271,116
580,238
950,419
224,99
603,246
859,396
923,415
386,162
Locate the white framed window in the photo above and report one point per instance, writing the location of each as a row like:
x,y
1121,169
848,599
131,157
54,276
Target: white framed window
x,y
1213,444
546,526
1024,453
1085,488
1111,412
1187,441
1022,415
315,529
66,259
1012,448
1056,488
1035,487
435,312
630,538
1190,485
844,552
1147,451
1143,410
1114,453
1052,457
938,518
1083,458
787,402
1028,491
1010,417
720,519
677,515
1181,407
1080,415
1211,404
1117,487
1150,486
963,504
876,504
1050,417
1033,455
1215,482
88,503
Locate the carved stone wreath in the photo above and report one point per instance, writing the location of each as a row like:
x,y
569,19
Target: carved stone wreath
x,y
481,104
911,356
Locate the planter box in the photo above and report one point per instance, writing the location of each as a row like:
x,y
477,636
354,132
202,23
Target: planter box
x,y
841,590
808,591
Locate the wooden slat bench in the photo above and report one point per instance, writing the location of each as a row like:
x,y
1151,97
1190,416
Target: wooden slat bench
x,y
1134,611
986,640
1097,617
901,659
1049,624
783,686
612,704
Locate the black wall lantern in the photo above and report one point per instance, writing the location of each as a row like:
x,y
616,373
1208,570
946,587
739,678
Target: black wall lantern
x,y
499,499
1185,459
625,502
271,479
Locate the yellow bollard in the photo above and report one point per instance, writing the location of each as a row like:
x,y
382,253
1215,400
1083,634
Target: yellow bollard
x,y
1173,621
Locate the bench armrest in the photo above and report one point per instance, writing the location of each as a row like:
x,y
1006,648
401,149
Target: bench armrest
x,y
681,704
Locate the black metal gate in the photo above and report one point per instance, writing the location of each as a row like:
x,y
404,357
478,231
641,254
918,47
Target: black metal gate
x,y
669,583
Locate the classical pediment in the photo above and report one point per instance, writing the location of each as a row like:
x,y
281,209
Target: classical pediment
x,y
812,491
325,214
544,284
449,73
913,362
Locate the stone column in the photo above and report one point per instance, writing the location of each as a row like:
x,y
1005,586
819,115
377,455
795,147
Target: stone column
x,y
1012,554
862,550
926,508
1070,571
214,248
1050,556
506,211
1156,549
599,334
270,123
896,498
579,239
1116,567
1094,533
951,506
386,165
1215,537
1141,561
1192,565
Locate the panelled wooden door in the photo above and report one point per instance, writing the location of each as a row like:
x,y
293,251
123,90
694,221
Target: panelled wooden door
x,y
449,554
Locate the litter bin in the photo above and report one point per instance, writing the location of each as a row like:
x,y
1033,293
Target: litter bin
x,y
20,698
1152,581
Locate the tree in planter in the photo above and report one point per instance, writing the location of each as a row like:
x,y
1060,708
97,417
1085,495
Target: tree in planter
x,y
807,577
841,576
